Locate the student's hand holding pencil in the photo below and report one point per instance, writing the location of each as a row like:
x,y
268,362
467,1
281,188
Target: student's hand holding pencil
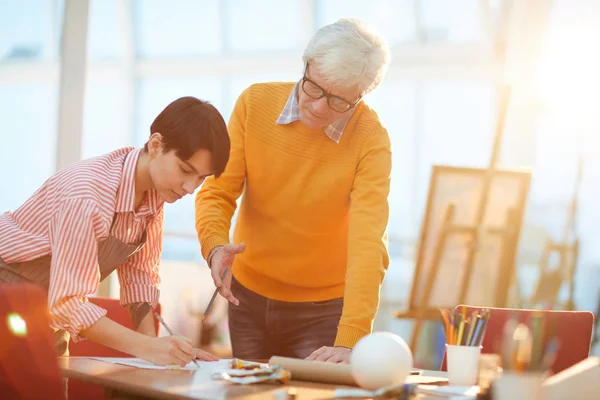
x,y
199,354
179,349
168,350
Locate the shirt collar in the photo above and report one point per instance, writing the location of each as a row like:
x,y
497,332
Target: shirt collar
x,y
291,113
125,200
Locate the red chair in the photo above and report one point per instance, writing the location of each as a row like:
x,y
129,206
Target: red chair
x,y
573,329
88,348
28,358
120,315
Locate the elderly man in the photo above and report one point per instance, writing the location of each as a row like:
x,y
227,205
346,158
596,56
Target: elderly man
x,y
314,164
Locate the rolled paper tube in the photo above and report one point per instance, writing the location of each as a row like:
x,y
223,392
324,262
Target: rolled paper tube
x,y
316,371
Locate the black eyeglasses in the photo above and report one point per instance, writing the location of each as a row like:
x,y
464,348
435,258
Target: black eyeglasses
x,y
316,92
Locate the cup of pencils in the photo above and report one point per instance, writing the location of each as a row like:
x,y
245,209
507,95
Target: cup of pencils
x,y
464,335
528,351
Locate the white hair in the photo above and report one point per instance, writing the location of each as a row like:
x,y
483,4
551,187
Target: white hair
x,y
348,52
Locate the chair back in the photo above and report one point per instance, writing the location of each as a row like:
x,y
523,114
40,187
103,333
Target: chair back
x,y
88,348
117,313
572,328
28,359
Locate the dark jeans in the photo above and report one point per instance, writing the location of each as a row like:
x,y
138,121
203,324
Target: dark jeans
x,y
261,327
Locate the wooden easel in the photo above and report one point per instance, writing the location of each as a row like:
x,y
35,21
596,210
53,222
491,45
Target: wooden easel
x,y
551,280
420,309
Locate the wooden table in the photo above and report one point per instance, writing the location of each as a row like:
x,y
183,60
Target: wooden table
x,y
179,384
186,384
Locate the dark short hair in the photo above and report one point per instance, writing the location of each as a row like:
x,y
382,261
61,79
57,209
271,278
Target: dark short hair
x,y
189,124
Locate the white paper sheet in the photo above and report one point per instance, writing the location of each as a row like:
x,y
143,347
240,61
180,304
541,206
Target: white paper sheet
x,y
453,392
139,363
421,380
436,392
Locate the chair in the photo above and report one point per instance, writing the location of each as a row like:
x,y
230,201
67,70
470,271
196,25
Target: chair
x,y
28,358
87,348
596,339
573,329
120,315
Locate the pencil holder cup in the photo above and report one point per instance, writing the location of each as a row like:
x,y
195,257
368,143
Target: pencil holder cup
x,y
463,364
518,386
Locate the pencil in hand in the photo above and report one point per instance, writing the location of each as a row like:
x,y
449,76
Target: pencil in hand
x,y
164,324
212,299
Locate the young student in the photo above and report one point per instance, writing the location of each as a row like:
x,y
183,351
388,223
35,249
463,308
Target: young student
x,y
106,213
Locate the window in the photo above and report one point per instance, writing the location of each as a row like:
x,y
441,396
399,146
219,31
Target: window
x,y
106,114
394,19
105,30
177,28
451,132
28,30
180,242
264,25
395,103
29,119
451,21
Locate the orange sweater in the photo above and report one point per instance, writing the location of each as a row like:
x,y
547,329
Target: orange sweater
x,y
314,212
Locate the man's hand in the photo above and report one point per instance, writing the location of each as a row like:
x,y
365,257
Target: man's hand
x,y
222,259
339,355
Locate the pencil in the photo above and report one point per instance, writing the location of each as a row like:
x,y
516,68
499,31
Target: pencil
x,y
466,333
446,323
163,323
461,328
451,340
212,299
485,316
473,326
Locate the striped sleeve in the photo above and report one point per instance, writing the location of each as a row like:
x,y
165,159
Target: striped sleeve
x,y
139,278
74,271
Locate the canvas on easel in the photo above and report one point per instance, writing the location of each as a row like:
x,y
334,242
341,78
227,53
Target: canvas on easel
x,y
467,255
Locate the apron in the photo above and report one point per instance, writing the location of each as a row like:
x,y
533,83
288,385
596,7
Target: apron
x,y
111,253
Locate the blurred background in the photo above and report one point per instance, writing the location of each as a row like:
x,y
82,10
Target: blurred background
x,y
127,59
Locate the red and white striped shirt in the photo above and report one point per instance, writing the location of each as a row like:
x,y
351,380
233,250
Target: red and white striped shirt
x,y
68,216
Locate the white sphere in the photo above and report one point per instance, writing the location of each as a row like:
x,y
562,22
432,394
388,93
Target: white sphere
x,y
380,359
